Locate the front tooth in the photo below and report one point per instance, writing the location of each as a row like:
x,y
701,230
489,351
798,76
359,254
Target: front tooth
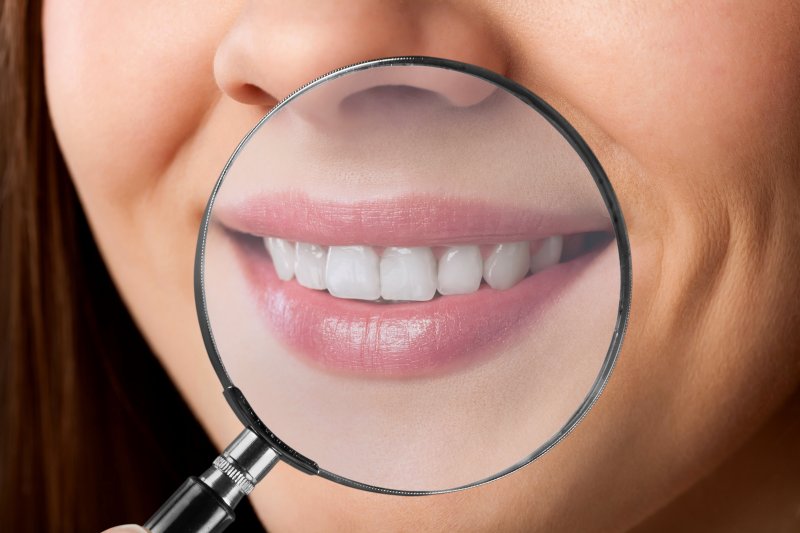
x,y
460,270
408,274
353,272
548,253
282,253
507,264
309,266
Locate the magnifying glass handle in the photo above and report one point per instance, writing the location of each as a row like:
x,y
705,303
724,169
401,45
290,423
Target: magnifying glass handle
x,y
206,503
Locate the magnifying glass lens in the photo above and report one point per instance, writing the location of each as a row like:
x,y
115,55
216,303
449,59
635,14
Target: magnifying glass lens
x,y
411,269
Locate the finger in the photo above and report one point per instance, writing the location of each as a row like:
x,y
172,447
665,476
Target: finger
x,y
128,528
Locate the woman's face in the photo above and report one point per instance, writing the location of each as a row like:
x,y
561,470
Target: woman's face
x,y
692,112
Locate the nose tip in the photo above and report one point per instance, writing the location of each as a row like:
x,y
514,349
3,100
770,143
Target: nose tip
x,y
275,47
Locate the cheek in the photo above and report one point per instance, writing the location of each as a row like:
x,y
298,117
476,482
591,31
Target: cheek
x,y
694,113
137,113
674,84
127,84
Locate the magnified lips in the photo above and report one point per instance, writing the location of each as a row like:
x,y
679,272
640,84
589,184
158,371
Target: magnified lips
x,y
402,249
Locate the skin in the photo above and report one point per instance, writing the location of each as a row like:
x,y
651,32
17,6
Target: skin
x,y
693,111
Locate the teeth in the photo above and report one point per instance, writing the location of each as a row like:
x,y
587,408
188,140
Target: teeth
x,y
460,270
408,274
309,267
352,272
507,264
282,253
547,254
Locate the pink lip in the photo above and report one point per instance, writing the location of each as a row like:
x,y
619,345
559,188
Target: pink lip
x,y
416,220
403,339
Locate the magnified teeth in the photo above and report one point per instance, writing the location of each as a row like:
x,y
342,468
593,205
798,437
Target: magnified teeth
x,y
309,267
460,270
547,253
507,264
408,274
282,253
353,272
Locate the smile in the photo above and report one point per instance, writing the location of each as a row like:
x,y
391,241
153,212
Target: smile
x,y
408,286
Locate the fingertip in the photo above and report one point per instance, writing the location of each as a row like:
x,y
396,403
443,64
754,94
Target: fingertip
x,y
127,528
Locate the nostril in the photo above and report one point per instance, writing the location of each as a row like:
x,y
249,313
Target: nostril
x,y
252,94
406,94
390,97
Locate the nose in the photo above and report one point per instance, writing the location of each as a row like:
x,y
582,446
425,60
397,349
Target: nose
x,y
275,46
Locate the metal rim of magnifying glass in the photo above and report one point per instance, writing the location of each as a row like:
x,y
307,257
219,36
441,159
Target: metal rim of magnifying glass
x,y
237,400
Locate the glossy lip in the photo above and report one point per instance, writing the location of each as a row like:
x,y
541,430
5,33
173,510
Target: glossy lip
x,y
401,339
413,220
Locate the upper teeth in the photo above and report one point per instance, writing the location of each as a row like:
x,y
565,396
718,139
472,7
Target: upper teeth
x,y
409,273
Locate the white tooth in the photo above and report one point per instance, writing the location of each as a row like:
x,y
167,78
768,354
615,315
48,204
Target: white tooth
x,y
408,274
507,264
460,270
309,266
547,254
282,253
353,272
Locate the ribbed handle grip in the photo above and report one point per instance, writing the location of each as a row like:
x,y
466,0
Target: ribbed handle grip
x,y
206,504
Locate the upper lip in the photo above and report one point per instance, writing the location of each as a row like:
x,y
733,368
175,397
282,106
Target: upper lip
x,y
413,220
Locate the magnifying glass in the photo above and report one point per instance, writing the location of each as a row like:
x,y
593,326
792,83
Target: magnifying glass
x,y
412,277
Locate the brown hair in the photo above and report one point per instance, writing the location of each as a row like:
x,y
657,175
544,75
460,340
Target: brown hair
x,y
92,433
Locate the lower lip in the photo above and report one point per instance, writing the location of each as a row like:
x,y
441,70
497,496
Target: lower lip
x,y
404,339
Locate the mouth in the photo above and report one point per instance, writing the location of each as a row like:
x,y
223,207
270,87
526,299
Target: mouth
x,y
406,286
